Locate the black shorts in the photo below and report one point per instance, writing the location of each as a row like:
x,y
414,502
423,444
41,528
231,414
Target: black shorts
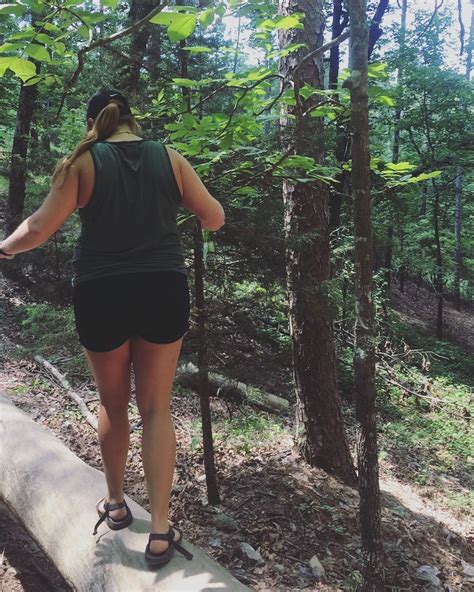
x,y
152,304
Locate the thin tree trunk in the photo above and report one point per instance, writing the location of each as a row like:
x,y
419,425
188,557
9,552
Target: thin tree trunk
x,y
457,236
459,185
395,146
203,365
438,281
320,435
364,353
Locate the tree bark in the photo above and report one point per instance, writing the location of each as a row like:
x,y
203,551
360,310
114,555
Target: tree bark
x,y
364,352
203,365
438,279
459,185
395,147
17,177
320,436
129,76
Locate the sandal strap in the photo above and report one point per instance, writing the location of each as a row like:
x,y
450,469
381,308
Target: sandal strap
x,y
156,536
101,519
116,506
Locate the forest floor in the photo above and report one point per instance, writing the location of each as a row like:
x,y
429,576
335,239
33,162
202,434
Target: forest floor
x,y
271,499
420,304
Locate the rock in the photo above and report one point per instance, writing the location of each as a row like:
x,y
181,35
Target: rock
x,y
305,571
250,555
279,567
468,572
225,522
316,566
216,542
429,573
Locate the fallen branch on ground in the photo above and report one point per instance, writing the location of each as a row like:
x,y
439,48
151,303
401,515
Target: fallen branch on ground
x,y
91,419
231,390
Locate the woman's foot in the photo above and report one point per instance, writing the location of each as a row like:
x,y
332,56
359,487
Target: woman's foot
x,y
161,546
114,514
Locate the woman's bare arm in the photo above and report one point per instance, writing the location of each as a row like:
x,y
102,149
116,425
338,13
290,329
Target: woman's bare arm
x,y
195,196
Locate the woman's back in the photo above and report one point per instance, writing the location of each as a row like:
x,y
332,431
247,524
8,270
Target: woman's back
x,y
129,222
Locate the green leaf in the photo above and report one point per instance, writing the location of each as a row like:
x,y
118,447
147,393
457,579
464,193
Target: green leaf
x,y
182,27
424,177
206,17
10,47
285,22
38,52
59,47
163,18
22,68
386,100
43,38
189,120
186,82
26,34
400,167
289,49
32,81
15,9
109,3
226,141
197,49
83,31
51,27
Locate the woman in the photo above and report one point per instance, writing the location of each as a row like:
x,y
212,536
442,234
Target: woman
x,y
130,291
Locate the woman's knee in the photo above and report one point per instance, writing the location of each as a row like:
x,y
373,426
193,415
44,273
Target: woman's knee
x,y
148,409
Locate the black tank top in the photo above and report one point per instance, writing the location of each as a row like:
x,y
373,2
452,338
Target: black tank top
x,y
129,223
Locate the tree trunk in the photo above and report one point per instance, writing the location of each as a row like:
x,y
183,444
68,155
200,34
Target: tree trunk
x,y
320,435
459,184
438,281
395,148
203,365
17,177
129,75
457,236
364,353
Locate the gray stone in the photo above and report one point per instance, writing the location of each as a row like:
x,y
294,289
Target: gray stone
x,y
428,573
225,522
54,493
468,572
250,555
317,568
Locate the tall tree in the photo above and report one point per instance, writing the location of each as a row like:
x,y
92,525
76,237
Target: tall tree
x,y
129,75
459,181
364,352
319,427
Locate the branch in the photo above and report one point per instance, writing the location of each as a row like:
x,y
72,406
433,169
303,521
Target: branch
x,y
319,50
67,387
102,43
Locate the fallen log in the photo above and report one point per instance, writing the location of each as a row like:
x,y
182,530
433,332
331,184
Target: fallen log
x,y
231,389
53,493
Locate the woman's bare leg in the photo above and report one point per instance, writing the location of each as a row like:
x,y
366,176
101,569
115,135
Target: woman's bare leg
x,y
155,368
111,371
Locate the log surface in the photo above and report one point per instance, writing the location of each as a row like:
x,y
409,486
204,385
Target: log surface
x,y
53,493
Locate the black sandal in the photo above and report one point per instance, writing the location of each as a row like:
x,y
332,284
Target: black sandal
x,y
165,556
111,522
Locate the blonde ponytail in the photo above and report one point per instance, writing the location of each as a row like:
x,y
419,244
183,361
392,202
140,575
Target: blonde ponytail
x,y
104,126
